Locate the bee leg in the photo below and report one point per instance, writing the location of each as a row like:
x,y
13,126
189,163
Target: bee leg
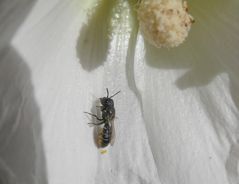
x,y
100,119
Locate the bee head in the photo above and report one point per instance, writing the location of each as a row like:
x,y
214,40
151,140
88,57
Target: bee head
x,y
107,102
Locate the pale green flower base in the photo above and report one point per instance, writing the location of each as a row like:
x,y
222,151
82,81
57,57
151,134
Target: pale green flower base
x,y
177,114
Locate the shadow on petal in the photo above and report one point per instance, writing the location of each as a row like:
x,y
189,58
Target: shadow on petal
x,y
201,68
94,38
22,158
22,149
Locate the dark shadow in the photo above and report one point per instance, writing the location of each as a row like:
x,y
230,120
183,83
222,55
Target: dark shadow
x,y
22,158
21,149
94,38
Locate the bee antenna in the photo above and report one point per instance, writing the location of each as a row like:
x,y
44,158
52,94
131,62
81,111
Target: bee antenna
x,y
115,94
107,91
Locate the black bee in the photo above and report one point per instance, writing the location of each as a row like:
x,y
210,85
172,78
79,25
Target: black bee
x,y
106,135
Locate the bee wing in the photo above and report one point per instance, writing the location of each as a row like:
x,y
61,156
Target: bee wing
x,y
112,141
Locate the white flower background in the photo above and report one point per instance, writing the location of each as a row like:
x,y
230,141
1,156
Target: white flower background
x,y
177,113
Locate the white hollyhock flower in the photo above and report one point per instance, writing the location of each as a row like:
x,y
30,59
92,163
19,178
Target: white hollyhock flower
x,y
177,113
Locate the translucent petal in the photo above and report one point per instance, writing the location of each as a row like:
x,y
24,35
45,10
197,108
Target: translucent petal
x,y
176,116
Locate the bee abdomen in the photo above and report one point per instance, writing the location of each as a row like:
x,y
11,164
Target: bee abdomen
x,y
105,136
104,143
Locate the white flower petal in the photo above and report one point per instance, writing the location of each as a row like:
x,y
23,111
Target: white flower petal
x,y
177,113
